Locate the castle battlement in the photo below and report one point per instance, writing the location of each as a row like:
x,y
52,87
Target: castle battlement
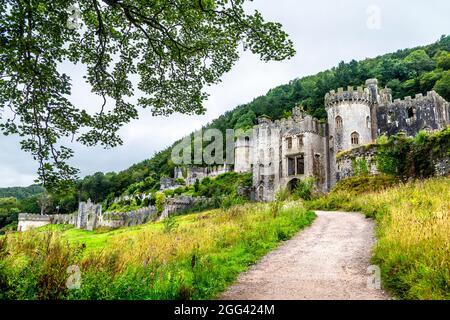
x,y
420,98
360,94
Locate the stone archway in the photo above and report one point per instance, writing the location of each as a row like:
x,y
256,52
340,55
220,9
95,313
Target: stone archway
x,y
292,184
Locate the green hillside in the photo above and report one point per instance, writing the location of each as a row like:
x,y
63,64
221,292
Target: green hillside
x,y
406,72
21,192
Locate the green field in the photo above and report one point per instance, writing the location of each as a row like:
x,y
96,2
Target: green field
x,y
194,256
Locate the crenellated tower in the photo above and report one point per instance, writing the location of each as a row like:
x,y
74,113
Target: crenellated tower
x,y
351,119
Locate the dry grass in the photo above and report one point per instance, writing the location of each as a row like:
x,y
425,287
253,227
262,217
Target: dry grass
x,y
413,231
196,258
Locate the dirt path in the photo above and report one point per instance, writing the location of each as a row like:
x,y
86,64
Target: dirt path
x,y
329,260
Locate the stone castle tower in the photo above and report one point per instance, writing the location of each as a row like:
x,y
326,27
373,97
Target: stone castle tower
x,y
280,153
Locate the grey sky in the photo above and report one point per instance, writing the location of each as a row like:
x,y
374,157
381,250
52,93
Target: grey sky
x,y
324,33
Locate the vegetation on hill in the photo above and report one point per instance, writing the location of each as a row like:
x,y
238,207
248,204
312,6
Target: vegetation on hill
x,y
189,257
406,72
21,192
413,226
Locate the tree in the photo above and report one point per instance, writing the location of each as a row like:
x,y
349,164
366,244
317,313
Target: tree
x,y
45,202
418,61
442,86
176,48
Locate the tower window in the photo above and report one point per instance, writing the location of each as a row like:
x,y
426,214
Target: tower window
x,y
247,140
390,117
338,122
412,113
355,138
291,166
301,164
368,124
289,143
300,140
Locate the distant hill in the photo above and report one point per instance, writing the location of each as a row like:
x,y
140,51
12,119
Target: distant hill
x,y
21,192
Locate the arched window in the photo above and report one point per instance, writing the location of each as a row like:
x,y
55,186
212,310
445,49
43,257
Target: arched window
x,y
355,138
338,122
368,124
247,140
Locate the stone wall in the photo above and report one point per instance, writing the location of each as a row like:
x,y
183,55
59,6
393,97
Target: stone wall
x,y
350,161
430,112
30,221
90,216
442,166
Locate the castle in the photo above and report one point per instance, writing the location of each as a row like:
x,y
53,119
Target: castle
x,y
282,152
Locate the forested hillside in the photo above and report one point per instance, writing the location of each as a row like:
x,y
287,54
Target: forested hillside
x,y
21,192
406,72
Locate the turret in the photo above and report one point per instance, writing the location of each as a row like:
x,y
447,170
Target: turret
x,y
351,118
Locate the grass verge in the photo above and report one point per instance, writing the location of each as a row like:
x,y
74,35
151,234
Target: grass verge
x,y
188,257
413,227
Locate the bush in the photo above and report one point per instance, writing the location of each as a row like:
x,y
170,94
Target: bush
x,y
160,201
364,184
304,189
231,201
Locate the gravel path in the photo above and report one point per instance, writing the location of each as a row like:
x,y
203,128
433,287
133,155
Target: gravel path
x,y
327,261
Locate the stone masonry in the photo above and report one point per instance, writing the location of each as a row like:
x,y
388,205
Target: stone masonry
x,y
282,152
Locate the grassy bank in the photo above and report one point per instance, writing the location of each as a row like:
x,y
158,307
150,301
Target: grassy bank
x,y
189,257
413,220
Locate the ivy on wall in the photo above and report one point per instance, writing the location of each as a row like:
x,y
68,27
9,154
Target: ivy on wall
x,y
406,157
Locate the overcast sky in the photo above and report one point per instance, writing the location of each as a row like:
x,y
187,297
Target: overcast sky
x,y
324,33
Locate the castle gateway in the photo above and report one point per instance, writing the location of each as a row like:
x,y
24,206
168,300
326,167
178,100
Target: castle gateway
x,y
280,153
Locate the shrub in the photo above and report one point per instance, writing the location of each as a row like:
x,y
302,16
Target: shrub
x,y
282,194
364,184
304,189
160,201
170,224
231,201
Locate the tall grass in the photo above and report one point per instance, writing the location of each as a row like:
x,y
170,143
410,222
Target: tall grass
x,y
196,257
414,234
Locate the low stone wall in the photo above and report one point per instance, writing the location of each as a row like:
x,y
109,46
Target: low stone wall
x,y
442,166
29,221
181,204
349,162
127,219
90,216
